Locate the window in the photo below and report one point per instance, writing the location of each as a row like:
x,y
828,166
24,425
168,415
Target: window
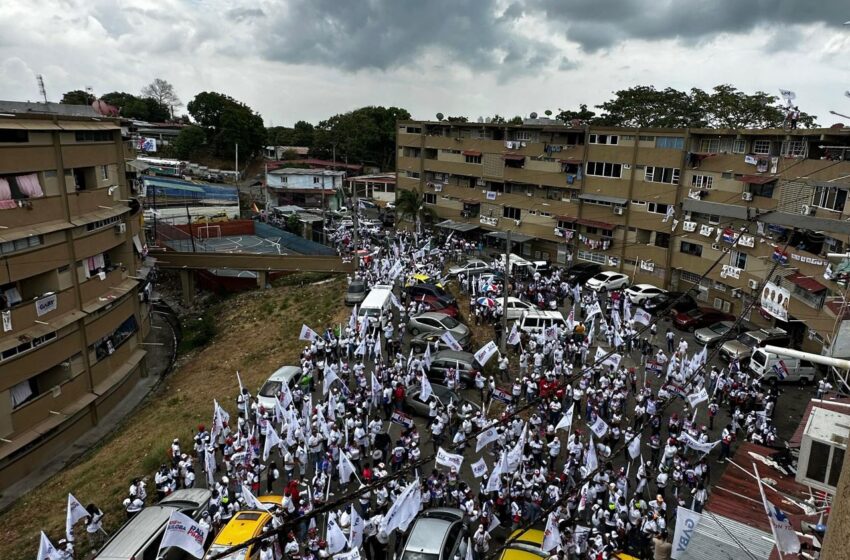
x,y
524,135
627,137
284,180
10,353
604,169
109,343
657,208
691,277
14,135
93,136
765,190
638,203
104,172
598,258
691,249
646,138
611,139
702,181
430,198
761,147
738,259
473,159
9,247
662,240
668,175
511,212
726,175
91,226
670,142
831,198
739,146
794,148
316,180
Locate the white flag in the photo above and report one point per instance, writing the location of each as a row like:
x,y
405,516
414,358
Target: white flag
x,y
330,377
377,388
46,550
346,467
513,337
552,536
566,422
494,483
590,461
634,447
355,537
450,341
75,513
353,554
361,348
251,501
701,358
449,459
307,334
352,320
599,427
593,310
272,439
426,359
336,538
479,468
426,391
182,532
209,466
698,397
489,435
486,352
571,320
686,526
514,456
783,532
642,316
403,510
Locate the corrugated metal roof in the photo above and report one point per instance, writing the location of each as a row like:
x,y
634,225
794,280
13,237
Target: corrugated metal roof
x,y
715,536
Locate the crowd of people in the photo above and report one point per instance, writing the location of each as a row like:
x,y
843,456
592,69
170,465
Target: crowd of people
x,y
596,429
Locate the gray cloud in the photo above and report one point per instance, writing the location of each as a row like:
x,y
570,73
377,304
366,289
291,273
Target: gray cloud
x,y
242,14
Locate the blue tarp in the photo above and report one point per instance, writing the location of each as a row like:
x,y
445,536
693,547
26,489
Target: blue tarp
x,y
292,242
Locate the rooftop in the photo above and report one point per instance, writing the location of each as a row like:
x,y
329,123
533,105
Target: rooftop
x,y
300,171
30,108
841,405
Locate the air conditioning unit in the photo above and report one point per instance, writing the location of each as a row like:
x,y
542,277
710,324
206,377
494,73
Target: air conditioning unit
x,y
748,196
518,222
753,284
736,292
806,210
715,246
619,210
627,166
121,227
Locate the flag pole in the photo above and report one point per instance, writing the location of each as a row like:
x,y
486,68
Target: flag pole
x,y
764,504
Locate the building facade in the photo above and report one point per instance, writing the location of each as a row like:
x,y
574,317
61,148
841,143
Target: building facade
x,y
712,210
310,188
73,312
378,187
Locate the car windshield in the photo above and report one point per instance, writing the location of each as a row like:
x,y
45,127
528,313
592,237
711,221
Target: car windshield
x,y
748,340
449,322
271,389
357,288
759,358
370,312
720,328
694,313
602,276
414,555
218,549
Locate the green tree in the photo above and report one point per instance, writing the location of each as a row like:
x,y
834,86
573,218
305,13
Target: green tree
x,y
189,142
163,92
645,106
411,205
498,119
365,135
77,97
516,120
228,122
457,119
140,108
726,107
583,114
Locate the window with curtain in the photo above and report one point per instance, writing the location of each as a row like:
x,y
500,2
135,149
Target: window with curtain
x,y
21,393
19,187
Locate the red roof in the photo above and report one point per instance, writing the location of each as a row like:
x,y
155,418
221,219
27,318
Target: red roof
x,y
806,282
570,219
839,308
594,223
471,153
513,157
757,179
834,404
315,162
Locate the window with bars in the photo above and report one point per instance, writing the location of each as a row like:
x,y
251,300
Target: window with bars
x,y
702,181
610,139
669,175
511,212
598,258
691,277
794,148
473,159
761,147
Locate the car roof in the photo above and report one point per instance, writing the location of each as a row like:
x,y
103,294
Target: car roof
x,y
184,496
545,313
453,355
127,541
285,373
643,287
243,526
423,537
432,314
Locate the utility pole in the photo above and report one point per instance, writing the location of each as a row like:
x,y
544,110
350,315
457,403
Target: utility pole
x,y
236,166
324,225
189,221
503,340
356,221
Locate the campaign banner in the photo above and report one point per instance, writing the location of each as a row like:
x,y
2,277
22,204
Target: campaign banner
x,y
686,525
774,300
401,419
699,397
447,459
479,468
654,367
45,305
642,316
503,395
675,390
182,532
486,352
703,448
489,435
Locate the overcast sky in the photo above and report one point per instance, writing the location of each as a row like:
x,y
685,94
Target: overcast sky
x,y
309,59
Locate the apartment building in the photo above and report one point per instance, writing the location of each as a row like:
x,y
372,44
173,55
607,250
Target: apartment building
x,y
661,205
311,188
73,312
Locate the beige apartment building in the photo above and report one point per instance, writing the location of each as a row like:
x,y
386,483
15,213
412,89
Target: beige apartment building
x,y
665,206
73,310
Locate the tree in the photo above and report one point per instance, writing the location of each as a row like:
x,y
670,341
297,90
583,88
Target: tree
x,y
583,114
411,205
365,135
140,108
228,122
457,119
645,106
516,120
498,119
77,97
189,142
163,92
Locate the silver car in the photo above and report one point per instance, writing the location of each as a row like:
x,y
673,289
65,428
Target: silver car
x,y
445,395
472,266
437,534
712,334
433,321
356,292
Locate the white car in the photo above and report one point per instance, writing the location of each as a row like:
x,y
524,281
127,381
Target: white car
x,y
640,292
515,307
470,267
268,393
607,281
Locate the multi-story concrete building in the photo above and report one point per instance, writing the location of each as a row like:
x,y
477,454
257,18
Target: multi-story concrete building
x,y
665,206
73,311
311,188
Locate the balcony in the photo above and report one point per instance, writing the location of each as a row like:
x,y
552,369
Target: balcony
x,y
30,263
39,409
94,287
87,201
455,168
533,177
35,211
25,314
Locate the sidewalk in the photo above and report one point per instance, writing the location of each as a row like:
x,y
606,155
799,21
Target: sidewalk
x,y
158,361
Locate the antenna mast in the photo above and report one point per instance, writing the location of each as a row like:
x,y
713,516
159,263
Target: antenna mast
x,y
41,89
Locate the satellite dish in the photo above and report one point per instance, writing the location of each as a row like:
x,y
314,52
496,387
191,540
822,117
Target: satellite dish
x,y
533,115
480,119
440,116
547,112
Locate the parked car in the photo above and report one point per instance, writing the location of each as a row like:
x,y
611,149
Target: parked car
x,y
267,395
525,545
243,526
139,537
356,292
712,334
445,395
582,272
432,321
742,347
765,364
607,281
672,302
640,292
421,340
437,534
535,321
472,266
439,304
515,307
700,317
462,361
429,289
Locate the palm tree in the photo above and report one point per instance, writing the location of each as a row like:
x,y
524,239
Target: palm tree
x,y
411,205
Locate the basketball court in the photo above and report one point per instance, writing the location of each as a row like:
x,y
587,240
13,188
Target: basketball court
x,y
209,240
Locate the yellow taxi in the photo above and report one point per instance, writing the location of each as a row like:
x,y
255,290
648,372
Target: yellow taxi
x,y
525,545
419,278
243,526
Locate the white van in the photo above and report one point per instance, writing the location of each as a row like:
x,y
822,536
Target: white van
x,y
534,321
378,304
762,364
